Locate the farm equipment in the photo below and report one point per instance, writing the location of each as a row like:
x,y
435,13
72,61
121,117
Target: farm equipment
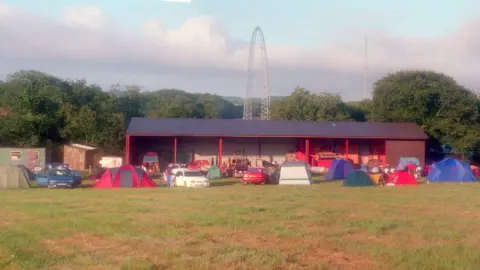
x,y
200,165
151,163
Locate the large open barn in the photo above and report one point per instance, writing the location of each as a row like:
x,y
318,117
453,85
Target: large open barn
x,y
218,140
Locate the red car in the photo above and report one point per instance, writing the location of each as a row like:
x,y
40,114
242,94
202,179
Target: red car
x,y
255,176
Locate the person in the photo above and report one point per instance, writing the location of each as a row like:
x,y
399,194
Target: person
x,y
168,177
418,172
411,169
144,166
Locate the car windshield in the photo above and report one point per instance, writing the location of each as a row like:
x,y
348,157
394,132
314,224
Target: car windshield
x,y
150,159
255,170
60,173
193,174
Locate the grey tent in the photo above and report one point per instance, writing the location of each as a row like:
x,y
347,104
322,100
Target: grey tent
x,y
13,177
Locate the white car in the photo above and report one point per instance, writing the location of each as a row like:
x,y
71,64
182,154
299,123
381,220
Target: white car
x,y
176,167
190,178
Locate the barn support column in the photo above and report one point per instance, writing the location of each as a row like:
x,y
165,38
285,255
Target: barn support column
x,y
307,150
259,148
220,151
127,150
175,142
346,149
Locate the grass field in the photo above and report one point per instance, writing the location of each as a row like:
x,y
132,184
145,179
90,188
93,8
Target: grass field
x,y
231,226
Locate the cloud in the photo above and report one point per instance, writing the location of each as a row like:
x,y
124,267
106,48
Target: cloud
x,y
202,56
89,17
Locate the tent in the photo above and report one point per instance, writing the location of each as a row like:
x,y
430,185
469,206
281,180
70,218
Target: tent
x,y
339,169
13,177
214,173
379,178
404,161
125,176
475,170
401,178
294,173
451,170
358,179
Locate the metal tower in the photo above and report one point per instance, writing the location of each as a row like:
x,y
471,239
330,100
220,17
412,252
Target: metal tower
x,y
247,103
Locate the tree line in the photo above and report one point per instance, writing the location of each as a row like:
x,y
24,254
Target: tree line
x,y
41,110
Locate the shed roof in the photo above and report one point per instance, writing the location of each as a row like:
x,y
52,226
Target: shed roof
x,y
82,146
272,128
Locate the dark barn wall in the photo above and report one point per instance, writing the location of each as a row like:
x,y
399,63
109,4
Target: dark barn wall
x,y
197,148
163,146
206,148
275,149
395,149
187,149
268,149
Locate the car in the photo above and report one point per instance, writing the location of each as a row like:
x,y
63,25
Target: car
x,y
58,178
240,167
256,176
190,178
175,167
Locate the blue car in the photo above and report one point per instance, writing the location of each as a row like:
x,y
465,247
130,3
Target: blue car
x,y
59,178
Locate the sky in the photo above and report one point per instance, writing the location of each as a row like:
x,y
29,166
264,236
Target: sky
x,y
203,46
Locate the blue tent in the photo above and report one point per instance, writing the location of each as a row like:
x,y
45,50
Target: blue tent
x,y
451,170
339,169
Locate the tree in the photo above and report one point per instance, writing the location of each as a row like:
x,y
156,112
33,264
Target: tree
x,y
37,109
303,105
447,111
360,111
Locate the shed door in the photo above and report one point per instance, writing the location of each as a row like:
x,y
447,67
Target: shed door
x,y
33,159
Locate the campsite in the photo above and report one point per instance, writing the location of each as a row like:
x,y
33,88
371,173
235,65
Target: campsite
x,y
127,177
341,220
325,225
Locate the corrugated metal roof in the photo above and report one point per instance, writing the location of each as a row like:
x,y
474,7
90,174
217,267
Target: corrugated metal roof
x,y
82,146
272,128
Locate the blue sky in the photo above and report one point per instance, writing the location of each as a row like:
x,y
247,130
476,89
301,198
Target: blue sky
x,y
299,22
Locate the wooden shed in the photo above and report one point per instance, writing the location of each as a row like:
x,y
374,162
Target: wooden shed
x,y
79,157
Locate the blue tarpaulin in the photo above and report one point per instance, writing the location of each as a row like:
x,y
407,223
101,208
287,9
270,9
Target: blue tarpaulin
x,y
451,170
339,169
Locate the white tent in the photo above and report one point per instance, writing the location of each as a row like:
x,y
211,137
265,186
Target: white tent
x,y
295,173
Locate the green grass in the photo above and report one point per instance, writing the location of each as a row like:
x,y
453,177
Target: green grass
x,y
231,226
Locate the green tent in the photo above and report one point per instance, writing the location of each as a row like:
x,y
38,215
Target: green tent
x,y
358,179
13,177
214,173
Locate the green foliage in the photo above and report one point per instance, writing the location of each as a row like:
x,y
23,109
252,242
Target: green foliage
x,y
304,105
447,111
45,110
37,109
360,111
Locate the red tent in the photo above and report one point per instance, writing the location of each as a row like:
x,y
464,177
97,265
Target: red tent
x,y
402,178
125,176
